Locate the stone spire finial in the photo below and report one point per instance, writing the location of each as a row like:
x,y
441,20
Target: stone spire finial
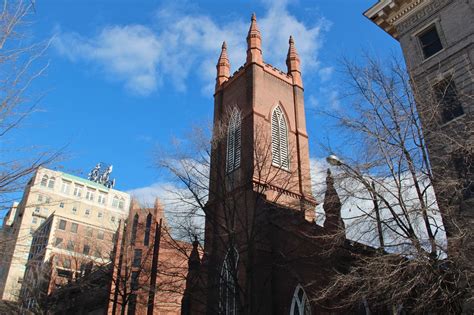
x,y
159,211
134,205
293,63
223,66
332,206
194,260
254,42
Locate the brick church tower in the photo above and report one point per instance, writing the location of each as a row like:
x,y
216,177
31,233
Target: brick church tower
x,y
259,166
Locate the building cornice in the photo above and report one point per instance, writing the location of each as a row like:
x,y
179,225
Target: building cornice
x,y
387,14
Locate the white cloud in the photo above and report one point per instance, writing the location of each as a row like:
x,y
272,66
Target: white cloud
x,y
325,73
187,45
129,54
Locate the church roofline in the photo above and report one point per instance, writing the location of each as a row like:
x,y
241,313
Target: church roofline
x,y
266,67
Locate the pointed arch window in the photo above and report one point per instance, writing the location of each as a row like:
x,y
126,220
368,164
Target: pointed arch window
x,y
300,303
280,152
146,240
228,287
234,141
134,229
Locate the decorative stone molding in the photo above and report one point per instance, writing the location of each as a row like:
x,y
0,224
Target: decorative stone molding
x,y
396,16
422,13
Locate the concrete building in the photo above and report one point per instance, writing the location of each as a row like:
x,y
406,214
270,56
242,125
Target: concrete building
x,y
61,204
64,249
437,39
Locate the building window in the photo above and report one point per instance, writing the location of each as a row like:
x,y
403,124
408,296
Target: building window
x,y
99,214
121,203
234,141
62,225
300,303
134,229
65,187
74,228
146,240
44,180
34,220
37,210
90,195
89,232
67,263
87,213
86,249
77,190
463,161
112,218
51,182
134,280
70,245
61,205
58,241
101,199
279,130
449,104
228,281
74,210
115,202
40,198
100,235
430,41
132,304
137,258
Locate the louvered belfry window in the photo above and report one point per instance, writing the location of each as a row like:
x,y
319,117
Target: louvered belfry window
x,y
280,155
233,141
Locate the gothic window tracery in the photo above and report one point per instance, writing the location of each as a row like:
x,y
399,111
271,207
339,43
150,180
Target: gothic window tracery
x,y
233,141
228,290
300,303
280,154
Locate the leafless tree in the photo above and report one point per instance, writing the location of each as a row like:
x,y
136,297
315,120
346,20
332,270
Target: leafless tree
x,y
20,66
385,179
233,204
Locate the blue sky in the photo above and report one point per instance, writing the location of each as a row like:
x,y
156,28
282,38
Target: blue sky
x,y
125,77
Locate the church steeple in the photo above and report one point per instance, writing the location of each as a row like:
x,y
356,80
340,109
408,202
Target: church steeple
x,y
293,63
332,206
254,42
223,66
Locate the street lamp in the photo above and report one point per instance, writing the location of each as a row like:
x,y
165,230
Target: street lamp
x,y
334,160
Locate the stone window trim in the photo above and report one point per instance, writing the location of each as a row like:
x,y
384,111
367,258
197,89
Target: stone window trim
x,y
62,224
234,141
74,227
280,133
44,180
447,78
228,287
300,302
415,35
